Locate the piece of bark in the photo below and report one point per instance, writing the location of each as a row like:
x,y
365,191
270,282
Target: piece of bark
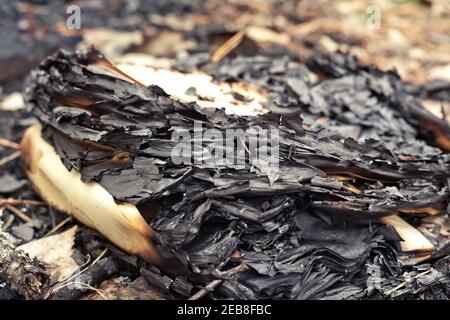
x,y
23,274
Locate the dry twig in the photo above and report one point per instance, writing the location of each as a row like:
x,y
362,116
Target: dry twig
x,y
206,290
404,283
58,226
18,213
228,46
9,144
15,202
210,287
9,158
9,221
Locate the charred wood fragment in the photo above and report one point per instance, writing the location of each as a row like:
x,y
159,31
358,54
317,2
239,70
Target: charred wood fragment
x,y
22,274
104,269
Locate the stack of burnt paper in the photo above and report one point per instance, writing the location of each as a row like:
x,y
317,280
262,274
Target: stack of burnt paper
x,y
338,191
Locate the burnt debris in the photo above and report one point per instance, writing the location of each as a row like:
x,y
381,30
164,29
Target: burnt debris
x,y
314,229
